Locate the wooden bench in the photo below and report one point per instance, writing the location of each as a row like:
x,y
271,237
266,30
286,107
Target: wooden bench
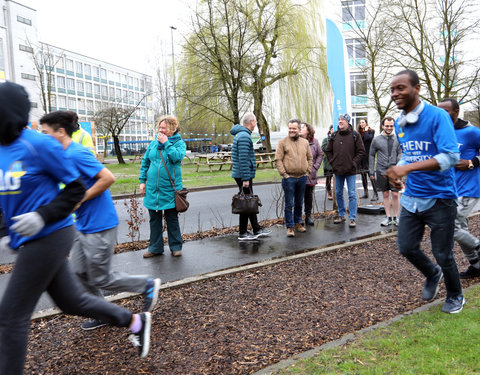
x,y
210,160
265,158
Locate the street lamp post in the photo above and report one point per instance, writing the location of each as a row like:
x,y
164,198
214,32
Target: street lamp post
x,y
173,67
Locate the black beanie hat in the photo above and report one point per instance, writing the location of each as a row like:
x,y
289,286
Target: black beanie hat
x,y
14,110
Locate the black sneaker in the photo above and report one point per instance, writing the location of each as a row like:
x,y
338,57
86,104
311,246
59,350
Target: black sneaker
x,y
432,285
262,233
470,273
142,338
92,324
453,305
150,295
247,236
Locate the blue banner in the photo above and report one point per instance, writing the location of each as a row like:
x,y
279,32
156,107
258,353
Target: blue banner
x,y
337,71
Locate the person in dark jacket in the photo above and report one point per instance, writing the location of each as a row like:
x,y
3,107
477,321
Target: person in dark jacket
x,y
327,167
40,230
344,152
367,134
244,166
307,132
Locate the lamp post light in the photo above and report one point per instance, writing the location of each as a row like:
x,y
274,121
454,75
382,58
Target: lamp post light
x,y
173,67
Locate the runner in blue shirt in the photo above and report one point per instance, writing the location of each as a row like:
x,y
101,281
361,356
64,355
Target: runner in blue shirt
x,y
430,150
40,230
467,175
96,221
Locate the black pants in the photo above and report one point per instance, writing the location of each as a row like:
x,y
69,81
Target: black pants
x,y
328,181
42,266
308,199
243,217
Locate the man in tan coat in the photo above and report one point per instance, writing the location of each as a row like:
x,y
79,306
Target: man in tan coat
x,y
293,159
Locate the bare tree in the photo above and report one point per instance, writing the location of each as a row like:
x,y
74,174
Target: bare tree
x,y
431,39
45,61
110,121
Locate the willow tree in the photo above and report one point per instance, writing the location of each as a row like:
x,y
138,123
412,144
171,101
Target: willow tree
x,y
432,40
240,49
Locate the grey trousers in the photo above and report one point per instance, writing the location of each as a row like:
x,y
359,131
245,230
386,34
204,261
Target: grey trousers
x,y
91,259
465,239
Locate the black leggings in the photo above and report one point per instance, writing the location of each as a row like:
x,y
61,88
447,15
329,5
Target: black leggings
x,y
42,265
243,217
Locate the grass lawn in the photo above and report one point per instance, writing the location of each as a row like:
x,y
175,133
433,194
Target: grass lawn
x,y
430,342
127,176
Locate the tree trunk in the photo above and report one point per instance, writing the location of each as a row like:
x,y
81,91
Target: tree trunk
x,y
261,120
118,151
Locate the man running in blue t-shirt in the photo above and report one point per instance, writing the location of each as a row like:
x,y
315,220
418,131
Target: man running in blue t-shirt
x,y
467,176
96,222
430,150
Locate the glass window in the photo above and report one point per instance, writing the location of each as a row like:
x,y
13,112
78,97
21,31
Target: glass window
x,y
103,73
88,87
111,92
30,77
62,101
61,82
81,104
353,10
59,60
125,78
96,71
79,67
136,82
117,77
130,81
104,91
358,84
53,100
142,85
90,105
25,48
70,84
80,86
355,48
72,103
97,89
88,70
118,93
26,21
69,64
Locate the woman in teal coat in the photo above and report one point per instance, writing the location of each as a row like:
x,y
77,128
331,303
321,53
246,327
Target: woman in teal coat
x,y
157,188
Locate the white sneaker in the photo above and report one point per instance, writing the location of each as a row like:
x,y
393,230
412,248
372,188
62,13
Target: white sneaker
x,y
386,222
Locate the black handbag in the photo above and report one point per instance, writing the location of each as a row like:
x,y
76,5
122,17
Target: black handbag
x,y
181,203
245,203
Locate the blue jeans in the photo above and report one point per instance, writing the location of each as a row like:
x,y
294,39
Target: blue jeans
x,y
352,195
441,220
294,190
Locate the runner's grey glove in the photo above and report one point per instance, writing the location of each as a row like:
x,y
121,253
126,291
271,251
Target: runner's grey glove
x,y
28,225
5,244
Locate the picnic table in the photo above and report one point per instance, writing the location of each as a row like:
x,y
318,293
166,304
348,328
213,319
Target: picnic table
x,y
217,159
223,158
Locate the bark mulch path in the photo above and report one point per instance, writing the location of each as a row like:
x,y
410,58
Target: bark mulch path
x,y
241,323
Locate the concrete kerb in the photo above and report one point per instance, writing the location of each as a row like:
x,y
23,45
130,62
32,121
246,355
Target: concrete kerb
x,y
211,275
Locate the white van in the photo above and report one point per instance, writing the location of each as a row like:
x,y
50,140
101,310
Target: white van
x,y
274,138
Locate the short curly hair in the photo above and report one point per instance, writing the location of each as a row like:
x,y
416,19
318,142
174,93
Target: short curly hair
x,y
171,123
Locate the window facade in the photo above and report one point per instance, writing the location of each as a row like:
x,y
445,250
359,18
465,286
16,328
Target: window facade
x,y
69,65
30,77
60,82
356,52
25,48
88,70
79,67
358,88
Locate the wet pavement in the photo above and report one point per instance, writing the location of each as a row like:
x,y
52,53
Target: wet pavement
x,y
219,253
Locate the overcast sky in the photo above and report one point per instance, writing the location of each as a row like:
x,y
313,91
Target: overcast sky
x,y
123,32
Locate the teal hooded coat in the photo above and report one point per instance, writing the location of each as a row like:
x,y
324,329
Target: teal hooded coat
x,y
243,154
159,193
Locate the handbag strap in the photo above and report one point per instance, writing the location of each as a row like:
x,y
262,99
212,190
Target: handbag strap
x,y
170,177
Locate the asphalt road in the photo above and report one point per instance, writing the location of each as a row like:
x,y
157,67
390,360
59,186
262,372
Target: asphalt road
x,y
212,209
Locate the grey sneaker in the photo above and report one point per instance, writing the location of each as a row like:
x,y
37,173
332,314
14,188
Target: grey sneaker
x,y
394,222
453,305
339,220
150,295
247,236
386,222
432,285
352,224
262,232
92,324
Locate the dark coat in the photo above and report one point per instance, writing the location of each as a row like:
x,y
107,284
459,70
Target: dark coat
x,y
345,151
